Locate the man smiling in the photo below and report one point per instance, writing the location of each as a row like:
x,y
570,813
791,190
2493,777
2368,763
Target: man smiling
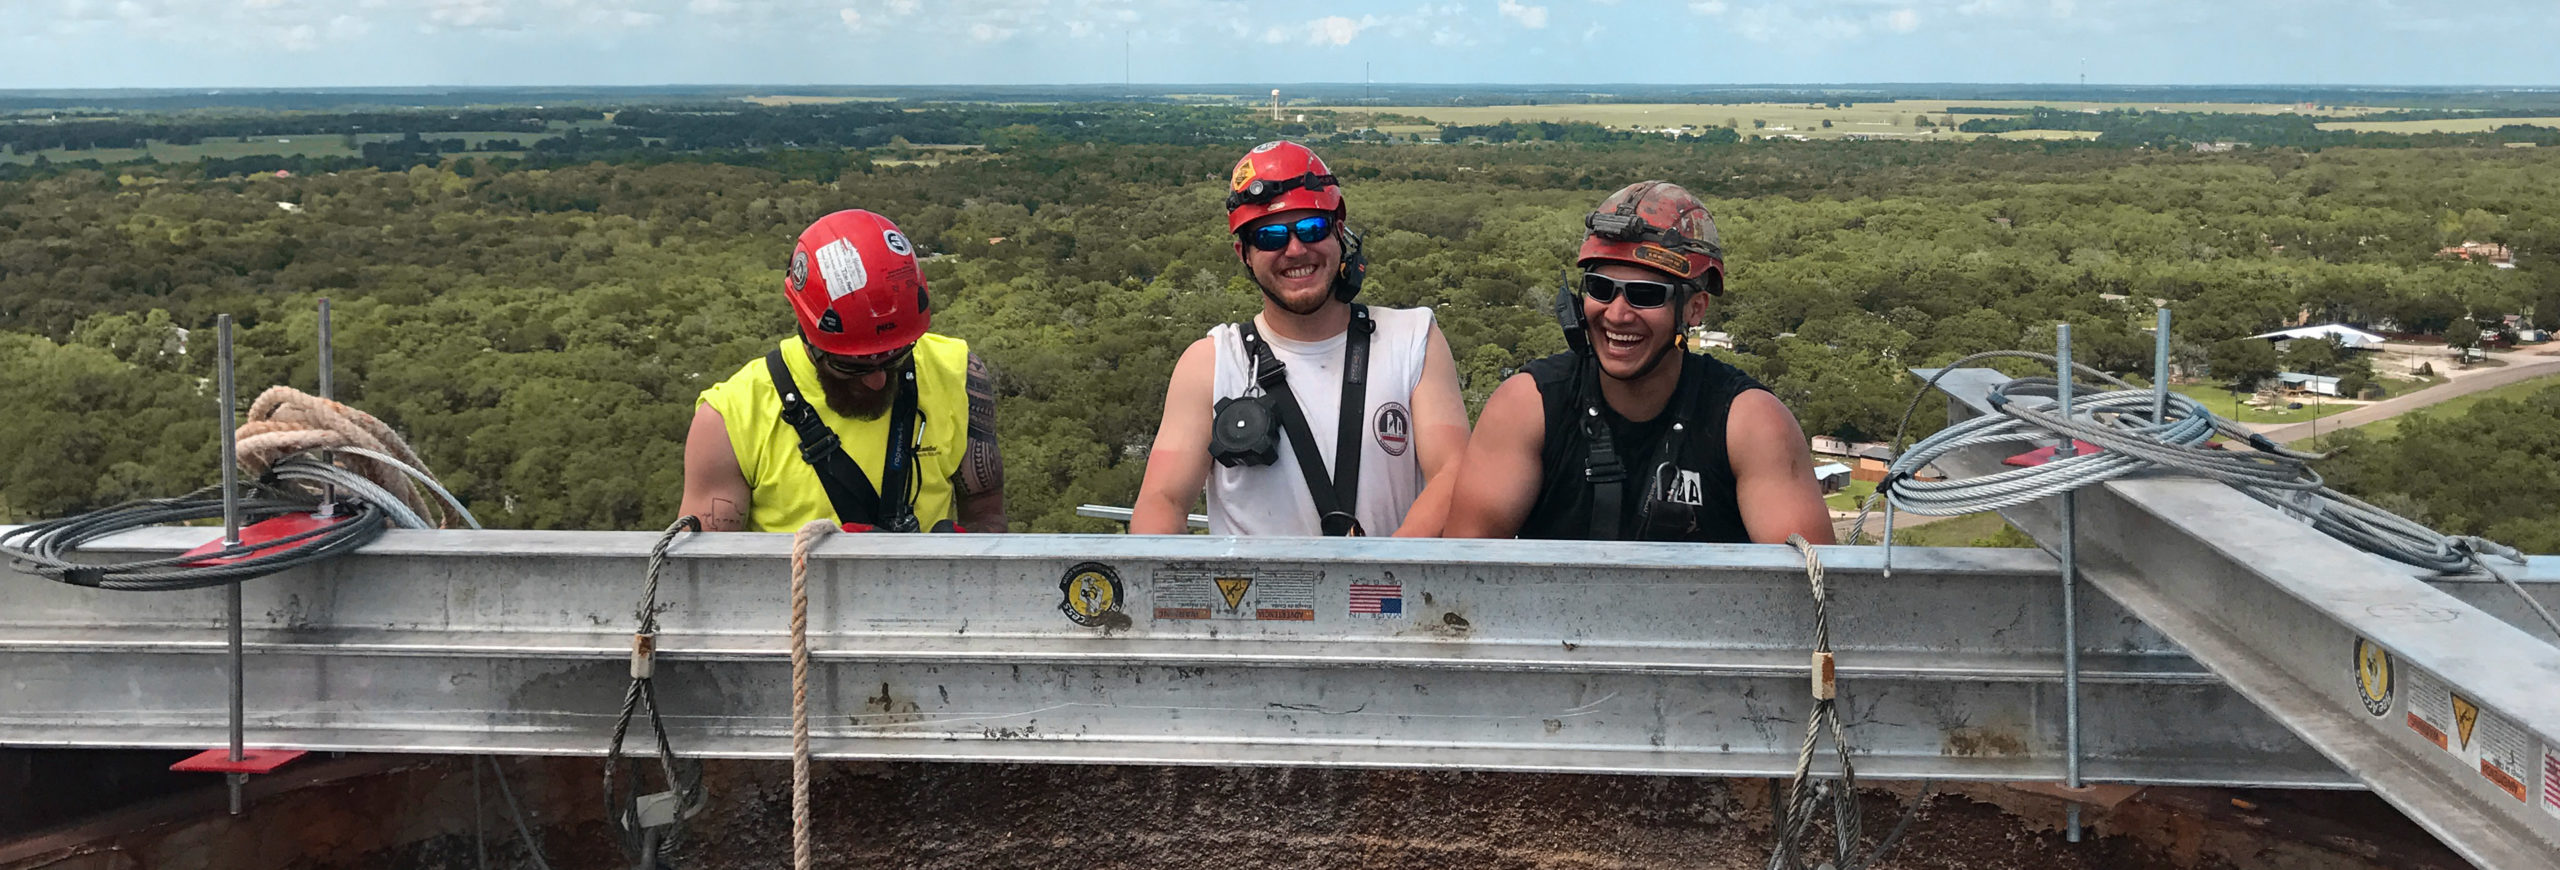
x,y
1626,436
1323,417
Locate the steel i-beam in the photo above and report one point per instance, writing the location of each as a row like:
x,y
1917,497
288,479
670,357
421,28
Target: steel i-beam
x,y
1504,655
2450,711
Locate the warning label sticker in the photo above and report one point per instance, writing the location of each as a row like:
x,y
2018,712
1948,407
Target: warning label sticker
x,y
1261,594
2430,707
2551,781
2502,751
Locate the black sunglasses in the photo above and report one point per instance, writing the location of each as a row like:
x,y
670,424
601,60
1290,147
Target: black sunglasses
x,y
1640,294
866,366
1273,237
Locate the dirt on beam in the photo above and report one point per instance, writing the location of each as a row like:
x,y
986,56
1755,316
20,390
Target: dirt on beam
x,y
972,817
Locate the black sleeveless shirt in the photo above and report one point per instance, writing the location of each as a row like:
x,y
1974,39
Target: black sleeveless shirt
x,y
1694,472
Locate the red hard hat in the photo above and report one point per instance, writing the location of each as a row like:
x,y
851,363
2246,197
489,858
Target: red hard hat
x,y
855,286
1279,176
1658,225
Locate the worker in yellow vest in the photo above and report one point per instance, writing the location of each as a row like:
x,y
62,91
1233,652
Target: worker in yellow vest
x,y
899,432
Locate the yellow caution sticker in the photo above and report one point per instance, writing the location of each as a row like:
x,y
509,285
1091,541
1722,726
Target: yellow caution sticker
x,y
1232,589
2466,716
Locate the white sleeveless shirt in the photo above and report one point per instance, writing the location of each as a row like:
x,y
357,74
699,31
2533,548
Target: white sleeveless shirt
x,y
1273,499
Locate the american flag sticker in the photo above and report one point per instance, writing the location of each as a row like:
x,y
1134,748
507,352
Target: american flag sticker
x,y
1377,599
2551,781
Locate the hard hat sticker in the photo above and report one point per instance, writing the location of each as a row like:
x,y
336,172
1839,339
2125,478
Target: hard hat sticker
x,y
840,265
1090,595
897,242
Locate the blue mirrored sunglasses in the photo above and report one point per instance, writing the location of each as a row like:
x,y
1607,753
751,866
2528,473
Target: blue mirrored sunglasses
x,y
1273,237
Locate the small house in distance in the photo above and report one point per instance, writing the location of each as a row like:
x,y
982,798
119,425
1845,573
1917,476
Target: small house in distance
x,y
2299,384
2491,253
1833,476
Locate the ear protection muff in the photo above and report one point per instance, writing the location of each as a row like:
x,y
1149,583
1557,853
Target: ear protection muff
x,y
1355,267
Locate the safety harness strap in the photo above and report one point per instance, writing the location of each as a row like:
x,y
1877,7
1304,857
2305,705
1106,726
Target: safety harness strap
x,y
1337,501
848,490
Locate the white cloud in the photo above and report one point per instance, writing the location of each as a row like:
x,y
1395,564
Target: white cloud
x,y
1336,30
851,17
984,32
1592,33
465,13
1532,17
1903,20
903,7
1708,7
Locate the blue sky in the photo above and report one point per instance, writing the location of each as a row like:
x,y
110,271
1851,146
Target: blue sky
x,y
312,43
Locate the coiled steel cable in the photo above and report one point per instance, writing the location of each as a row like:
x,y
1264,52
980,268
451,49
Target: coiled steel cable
x,y
2121,423
45,548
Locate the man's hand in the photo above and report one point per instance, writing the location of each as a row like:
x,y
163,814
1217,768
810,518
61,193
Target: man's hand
x,y
1500,476
715,491
1178,464
1773,472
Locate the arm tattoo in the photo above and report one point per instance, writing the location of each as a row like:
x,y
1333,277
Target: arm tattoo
x,y
724,516
982,468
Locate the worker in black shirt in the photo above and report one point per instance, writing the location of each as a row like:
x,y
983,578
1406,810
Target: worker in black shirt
x,y
1626,436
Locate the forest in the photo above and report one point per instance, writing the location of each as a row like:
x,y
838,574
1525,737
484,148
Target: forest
x,y
540,325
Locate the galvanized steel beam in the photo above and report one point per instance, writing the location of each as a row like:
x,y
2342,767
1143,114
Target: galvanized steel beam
x,y
1506,655
2446,709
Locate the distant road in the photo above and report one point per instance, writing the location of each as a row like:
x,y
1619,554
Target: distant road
x,y
2518,367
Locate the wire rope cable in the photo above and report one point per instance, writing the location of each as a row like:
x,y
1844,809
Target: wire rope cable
x,y
683,779
1804,797
45,548
2132,439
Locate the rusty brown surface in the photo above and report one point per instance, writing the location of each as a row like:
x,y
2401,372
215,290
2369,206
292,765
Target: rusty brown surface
x,y
417,813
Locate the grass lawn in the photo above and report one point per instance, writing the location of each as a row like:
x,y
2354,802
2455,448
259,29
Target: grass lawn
x,y
2516,391
1848,499
2218,400
1972,530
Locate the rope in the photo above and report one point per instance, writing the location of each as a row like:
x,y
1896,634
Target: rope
x,y
284,421
801,543
2122,424
1803,796
685,782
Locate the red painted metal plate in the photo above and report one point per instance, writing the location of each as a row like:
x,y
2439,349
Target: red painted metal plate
x,y
251,761
265,530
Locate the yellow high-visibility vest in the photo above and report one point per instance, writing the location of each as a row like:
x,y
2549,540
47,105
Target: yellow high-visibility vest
x,y
785,490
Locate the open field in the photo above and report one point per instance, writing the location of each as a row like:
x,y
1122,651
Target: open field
x,y
1893,119
1879,119
2445,125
